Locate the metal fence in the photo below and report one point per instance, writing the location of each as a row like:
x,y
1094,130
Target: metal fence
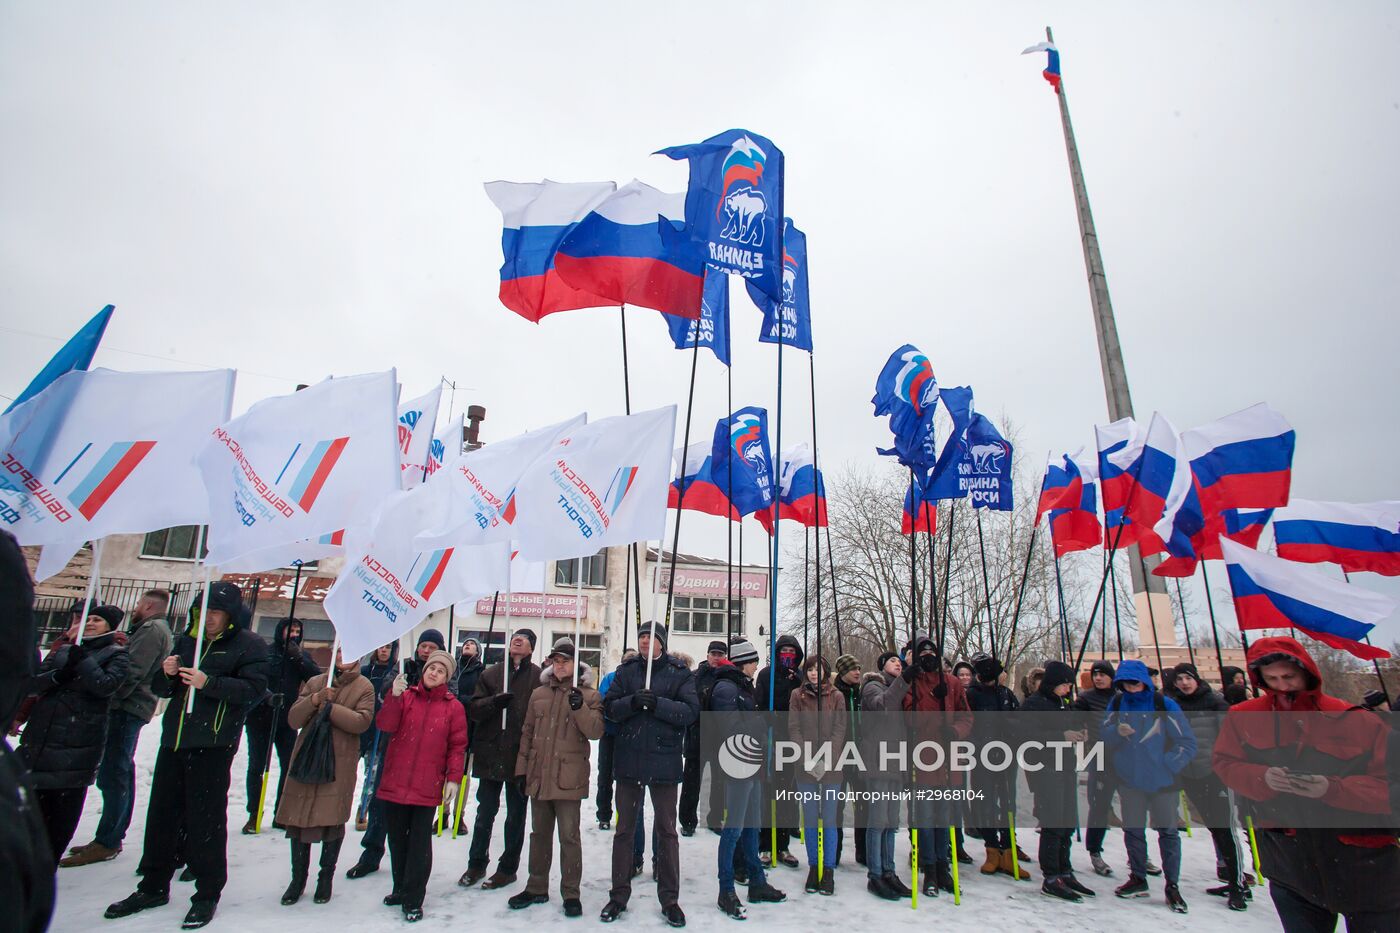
x,y
52,614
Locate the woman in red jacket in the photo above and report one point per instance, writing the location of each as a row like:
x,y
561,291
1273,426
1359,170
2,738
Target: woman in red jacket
x,y
422,767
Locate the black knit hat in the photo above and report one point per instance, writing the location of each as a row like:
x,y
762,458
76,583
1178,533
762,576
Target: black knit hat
x,y
527,634
433,637
654,628
884,659
111,614
1056,673
986,668
1102,667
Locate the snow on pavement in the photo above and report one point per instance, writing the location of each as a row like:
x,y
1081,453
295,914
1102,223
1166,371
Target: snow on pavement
x,y
259,869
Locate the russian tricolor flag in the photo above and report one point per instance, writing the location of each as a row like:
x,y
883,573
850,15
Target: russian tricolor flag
x,y
1359,537
1119,445
1062,488
617,252
1052,64
1244,527
1244,460
701,493
538,216
1077,528
801,492
1271,592
1164,495
920,514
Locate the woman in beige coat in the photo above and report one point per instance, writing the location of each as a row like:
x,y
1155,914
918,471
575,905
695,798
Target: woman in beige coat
x,y
318,812
554,747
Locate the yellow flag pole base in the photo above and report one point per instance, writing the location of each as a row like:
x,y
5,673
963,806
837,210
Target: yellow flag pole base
x,y
914,880
262,799
461,802
1015,857
1185,814
953,857
1254,849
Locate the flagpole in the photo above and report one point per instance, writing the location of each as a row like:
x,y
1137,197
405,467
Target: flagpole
x,y
777,528
1214,628
986,580
947,577
91,589
820,497
1186,626
203,613
1385,691
729,522
632,548
831,569
505,660
932,562
685,454
1064,622
913,536
806,579
1118,622
1115,376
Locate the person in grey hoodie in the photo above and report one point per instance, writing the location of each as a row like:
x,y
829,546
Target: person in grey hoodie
x,y
133,706
882,693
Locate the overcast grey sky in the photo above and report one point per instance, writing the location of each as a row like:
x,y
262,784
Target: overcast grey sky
x,y
294,190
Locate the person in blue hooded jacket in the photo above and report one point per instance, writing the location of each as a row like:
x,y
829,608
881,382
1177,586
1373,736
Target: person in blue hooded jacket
x,y
1149,742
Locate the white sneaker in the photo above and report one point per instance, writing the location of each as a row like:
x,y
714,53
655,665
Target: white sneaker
x,y
1152,869
1100,866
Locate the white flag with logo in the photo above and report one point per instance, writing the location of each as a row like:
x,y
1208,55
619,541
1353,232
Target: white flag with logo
x,y
389,585
101,452
288,555
302,465
417,421
601,485
447,444
479,501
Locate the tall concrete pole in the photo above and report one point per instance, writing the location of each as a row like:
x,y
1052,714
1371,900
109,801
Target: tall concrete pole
x,y
1155,611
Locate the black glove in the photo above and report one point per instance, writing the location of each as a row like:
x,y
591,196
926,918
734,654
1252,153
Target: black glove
x,y
644,700
940,691
576,699
910,672
501,700
69,670
928,663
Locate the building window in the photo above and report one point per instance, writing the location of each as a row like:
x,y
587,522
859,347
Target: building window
x,y
595,571
590,651
172,543
704,615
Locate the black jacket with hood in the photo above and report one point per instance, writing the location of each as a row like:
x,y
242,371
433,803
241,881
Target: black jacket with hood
x,y
67,728
789,679
288,667
649,745
236,664
1058,783
381,677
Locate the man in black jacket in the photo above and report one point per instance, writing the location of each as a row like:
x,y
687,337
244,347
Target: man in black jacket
x,y
694,763
652,719
288,667
1055,789
1103,785
994,801
495,718
1205,711
778,689
189,790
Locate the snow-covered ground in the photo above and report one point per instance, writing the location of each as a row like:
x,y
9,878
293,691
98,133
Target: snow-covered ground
x,y
259,871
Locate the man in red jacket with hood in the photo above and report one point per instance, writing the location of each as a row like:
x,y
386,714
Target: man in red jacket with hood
x,y
1317,758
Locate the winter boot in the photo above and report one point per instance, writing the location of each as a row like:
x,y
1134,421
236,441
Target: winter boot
x,y
880,889
1238,898
1100,866
894,884
944,876
765,893
962,856
828,883
993,863
674,915
928,881
811,886
301,864
1135,886
330,854
199,915
1152,868
1174,899
1008,866
1075,885
731,906
1056,887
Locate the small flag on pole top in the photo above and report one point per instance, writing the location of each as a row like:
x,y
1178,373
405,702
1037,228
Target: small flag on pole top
x,y
1052,64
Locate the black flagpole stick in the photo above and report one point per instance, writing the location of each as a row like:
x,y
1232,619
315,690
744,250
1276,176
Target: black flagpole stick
x,y
685,454
1151,614
729,519
817,570
913,594
1190,648
1064,622
1214,628
1025,575
947,579
824,512
986,581
632,549
1103,611
806,580
1385,691
1118,622
932,538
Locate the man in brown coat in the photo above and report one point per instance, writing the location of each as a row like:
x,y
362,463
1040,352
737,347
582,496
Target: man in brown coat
x,y
561,720
497,712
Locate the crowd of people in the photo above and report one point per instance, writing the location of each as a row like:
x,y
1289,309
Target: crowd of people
x,y
406,734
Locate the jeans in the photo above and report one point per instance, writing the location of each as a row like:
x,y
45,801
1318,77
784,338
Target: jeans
x,y
859,814
188,816
488,804
266,722
819,802
882,819
1102,787
743,806
933,817
116,778
1297,914
1160,807
1054,852
373,840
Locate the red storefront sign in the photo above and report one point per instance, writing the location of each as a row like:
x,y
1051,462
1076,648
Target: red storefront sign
x,y
693,582
535,606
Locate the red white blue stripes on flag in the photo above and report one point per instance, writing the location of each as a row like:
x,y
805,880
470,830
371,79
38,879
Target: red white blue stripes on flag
x,y
537,217
801,492
1244,460
1063,488
1244,527
107,475
1164,496
920,513
1052,63
1271,592
1076,529
315,470
334,539
617,252
701,493
433,569
1119,445
1359,537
